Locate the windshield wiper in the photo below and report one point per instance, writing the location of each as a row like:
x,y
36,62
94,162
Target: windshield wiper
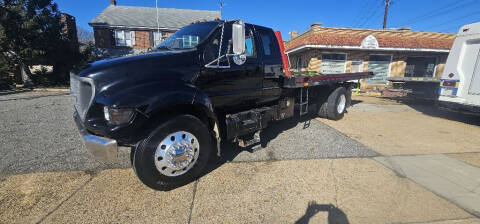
x,y
163,48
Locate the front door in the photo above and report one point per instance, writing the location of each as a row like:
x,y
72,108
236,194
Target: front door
x,y
231,87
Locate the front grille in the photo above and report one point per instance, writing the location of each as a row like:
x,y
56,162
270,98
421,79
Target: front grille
x,y
82,93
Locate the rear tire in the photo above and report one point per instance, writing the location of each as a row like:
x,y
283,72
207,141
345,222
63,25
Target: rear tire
x,y
161,152
337,104
349,96
322,108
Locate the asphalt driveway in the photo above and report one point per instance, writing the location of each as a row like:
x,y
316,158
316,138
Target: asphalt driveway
x,y
39,135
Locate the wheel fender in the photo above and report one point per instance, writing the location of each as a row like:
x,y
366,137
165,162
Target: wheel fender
x,y
202,100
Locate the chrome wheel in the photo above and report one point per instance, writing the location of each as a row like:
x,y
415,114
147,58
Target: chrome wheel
x,y
341,104
177,153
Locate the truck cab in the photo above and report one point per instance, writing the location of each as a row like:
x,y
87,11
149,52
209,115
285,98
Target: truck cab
x,y
236,84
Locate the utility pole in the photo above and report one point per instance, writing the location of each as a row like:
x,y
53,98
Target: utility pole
x,y
387,3
221,9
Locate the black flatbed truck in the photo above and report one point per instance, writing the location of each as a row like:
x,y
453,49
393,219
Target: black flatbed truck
x,y
209,82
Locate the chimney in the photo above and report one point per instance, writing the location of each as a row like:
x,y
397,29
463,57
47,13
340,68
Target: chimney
x,y
316,25
293,34
113,2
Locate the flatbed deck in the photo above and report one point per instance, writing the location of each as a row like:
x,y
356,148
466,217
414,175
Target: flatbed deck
x,y
299,81
413,79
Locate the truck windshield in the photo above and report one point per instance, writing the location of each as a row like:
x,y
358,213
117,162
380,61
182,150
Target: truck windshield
x,y
188,37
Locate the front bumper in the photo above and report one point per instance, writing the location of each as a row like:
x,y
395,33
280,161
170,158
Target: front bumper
x,y
101,148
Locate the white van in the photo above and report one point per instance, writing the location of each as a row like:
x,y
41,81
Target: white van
x,y
460,82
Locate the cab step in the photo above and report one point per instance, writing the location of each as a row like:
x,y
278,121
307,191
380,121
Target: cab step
x,y
303,102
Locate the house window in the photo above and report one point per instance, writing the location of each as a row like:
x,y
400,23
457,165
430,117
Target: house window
x,y
333,63
157,38
124,38
357,66
420,67
189,41
380,66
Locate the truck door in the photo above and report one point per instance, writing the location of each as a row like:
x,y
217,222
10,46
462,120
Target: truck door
x,y
271,65
231,86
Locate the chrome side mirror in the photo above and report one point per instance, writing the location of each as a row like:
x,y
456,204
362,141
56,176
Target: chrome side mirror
x,y
238,37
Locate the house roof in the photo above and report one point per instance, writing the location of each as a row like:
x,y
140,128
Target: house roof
x,y
387,39
145,17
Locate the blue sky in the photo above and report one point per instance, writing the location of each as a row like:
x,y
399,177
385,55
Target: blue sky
x,y
287,15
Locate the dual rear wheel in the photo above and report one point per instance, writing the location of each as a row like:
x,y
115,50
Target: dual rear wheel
x,y
334,107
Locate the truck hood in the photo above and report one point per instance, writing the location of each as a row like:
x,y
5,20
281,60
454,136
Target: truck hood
x,y
124,72
155,60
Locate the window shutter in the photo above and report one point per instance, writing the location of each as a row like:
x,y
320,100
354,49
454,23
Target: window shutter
x,y
113,37
132,33
152,43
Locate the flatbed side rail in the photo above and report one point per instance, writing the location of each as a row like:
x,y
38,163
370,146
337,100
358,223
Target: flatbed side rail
x,y
324,79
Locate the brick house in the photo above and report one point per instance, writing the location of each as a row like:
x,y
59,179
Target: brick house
x,y
127,29
387,53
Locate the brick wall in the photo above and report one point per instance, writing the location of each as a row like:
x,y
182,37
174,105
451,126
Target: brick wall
x,y
103,37
142,40
69,29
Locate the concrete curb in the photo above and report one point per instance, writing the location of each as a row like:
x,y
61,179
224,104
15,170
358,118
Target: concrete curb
x,y
7,92
63,90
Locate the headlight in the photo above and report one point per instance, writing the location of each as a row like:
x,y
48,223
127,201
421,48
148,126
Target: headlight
x,y
118,116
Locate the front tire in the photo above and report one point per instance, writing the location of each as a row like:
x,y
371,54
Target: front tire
x,y
174,154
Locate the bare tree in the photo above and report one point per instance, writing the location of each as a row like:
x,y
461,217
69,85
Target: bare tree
x,y
84,35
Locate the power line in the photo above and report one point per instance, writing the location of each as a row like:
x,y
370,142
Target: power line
x,y
437,12
457,27
375,18
372,15
441,13
365,15
360,14
453,20
450,28
432,11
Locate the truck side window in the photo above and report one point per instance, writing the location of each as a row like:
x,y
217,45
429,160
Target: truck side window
x,y
270,46
266,44
211,50
249,44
